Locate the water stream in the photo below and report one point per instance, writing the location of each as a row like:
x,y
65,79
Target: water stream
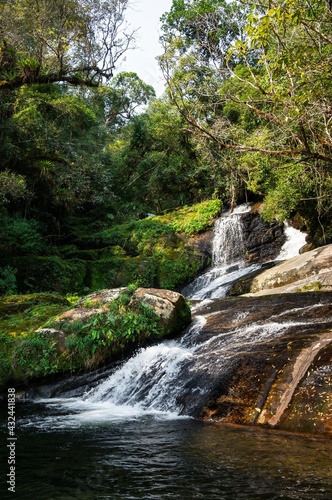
x,y
228,256
133,436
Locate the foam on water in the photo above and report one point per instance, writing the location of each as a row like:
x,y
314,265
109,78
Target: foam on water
x,y
295,240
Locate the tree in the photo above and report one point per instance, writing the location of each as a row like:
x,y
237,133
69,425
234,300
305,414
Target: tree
x,y
155,163
74,41
52,129
268,96
197,35
124,98
52,153
291,45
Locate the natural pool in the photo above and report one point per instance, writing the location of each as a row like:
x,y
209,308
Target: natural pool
x,y
63,453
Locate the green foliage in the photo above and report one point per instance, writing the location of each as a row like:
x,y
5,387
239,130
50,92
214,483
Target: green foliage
x,y
122,324
117,272
140,236
87,343
7,280
193,220
246,113
47,273
179,267
50,127
72,299
152,152
7,344
36,356
256,96
20,236
12,186
281,202
124,97
153,251
73,41
109,334
23,353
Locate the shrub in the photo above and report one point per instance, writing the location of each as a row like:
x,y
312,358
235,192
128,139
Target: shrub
x,y
21,236
36,355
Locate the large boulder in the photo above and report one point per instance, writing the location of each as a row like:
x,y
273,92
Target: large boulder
x,y
171,307
103,327
309,271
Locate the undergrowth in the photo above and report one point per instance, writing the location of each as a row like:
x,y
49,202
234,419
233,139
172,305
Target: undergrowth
x,y
78,345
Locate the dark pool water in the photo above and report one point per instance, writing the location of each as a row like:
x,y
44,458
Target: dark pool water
x,y
158,457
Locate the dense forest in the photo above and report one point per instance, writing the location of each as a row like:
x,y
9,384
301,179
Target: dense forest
x,y
87,153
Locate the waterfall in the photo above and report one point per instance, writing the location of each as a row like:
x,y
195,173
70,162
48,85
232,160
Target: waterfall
x,y
295,240
146,378
228,259
228,256
228,243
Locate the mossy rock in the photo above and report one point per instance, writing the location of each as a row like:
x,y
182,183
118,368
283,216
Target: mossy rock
x,y
103,273
12,304
111,251
79,339
176,268
20,314
150,252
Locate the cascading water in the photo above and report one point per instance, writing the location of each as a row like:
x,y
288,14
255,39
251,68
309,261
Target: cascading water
x,y
228,244
146,378
228,256
158,378
178,378
228,262
295,240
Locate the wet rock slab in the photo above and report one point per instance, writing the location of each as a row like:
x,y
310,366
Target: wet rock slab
x,y
263,360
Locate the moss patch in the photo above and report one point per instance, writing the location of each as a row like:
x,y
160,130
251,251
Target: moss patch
x,y
22,314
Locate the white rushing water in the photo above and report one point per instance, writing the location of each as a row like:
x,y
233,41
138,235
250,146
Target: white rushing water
x,y
145,378
228,242
295,240
228,263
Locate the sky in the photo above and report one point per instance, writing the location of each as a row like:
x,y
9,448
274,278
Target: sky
x,y
145,15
